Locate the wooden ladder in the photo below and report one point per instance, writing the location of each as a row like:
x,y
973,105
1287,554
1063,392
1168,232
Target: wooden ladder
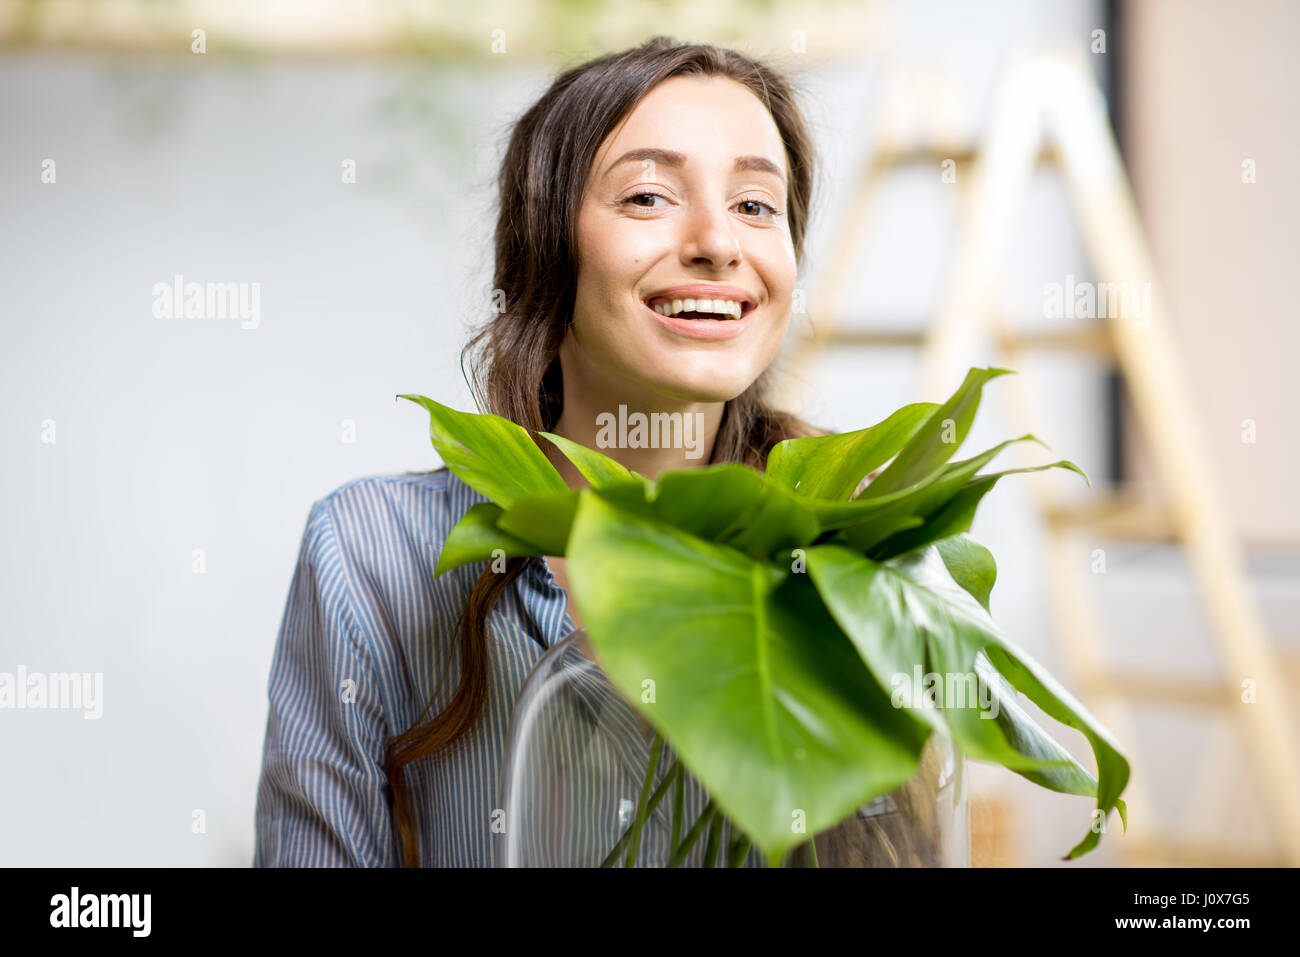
x,y
1055,94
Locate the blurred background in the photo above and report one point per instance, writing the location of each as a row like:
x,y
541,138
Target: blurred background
x,y
983,161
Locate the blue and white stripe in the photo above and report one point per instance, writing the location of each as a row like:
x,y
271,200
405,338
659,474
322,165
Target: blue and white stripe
x,y
365,633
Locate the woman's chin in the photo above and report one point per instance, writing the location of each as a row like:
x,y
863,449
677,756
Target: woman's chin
x,y
685,375
702,387
709,375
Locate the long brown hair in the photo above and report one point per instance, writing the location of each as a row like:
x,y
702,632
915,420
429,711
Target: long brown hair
x,y
515,355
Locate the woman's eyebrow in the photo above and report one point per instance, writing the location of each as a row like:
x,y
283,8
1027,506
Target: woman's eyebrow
x,y
676,160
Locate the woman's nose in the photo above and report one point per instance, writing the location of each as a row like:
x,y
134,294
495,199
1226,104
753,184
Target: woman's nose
x,y
710,238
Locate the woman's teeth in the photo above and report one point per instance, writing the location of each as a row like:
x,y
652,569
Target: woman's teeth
x,y
722,308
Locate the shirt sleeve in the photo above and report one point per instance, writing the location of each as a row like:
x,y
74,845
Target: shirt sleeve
x,y
322,799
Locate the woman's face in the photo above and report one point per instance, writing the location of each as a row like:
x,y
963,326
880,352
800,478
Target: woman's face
x,y
691,206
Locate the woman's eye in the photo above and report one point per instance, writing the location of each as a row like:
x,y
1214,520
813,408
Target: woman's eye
x,y
772,211
633,199
750,208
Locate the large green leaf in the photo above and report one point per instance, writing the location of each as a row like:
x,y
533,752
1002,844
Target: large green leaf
x,y
832,514
757,690
476,538
938,438
777,520
970,564
1028,677
1033,680
868,520
727,503
903,636
596,467
910,507
832,466
1025,735
957,628
957,513
707,501
542,519
490,454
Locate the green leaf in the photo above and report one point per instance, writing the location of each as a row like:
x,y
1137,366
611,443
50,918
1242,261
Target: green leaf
x,y
910,610
476,537
904,634
756,689
832,466
916,502
1032,680
724,502
490,454
957,515
598,469
1025,735
970,564
706,501
727,503
777,520
875,617
542,519
928,449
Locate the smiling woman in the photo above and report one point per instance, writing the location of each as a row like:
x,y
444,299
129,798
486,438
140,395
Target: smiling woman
x,y
708,156
653,208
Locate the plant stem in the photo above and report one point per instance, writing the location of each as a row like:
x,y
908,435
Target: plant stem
x,y
739,848
711,846
811,847
674,772
643,802
679,795
693,835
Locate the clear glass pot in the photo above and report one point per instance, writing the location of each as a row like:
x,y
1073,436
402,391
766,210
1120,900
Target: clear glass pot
x,y
576,766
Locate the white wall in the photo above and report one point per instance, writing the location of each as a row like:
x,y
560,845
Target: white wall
x,y
172,435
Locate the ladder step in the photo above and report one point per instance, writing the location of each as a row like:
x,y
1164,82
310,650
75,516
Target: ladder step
x,y
1179,852
1164,689
903,338
1117,516
1160,689
1094,340
892,156
1123,517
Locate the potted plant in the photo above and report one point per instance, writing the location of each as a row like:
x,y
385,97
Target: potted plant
x,y
809,643
586,782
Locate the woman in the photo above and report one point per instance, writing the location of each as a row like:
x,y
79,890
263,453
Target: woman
x,y
653,207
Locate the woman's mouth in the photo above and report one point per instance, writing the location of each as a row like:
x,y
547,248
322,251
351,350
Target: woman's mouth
x,y
702,318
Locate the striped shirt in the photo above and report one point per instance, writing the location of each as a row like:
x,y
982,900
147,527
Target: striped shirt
x,y
364,636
